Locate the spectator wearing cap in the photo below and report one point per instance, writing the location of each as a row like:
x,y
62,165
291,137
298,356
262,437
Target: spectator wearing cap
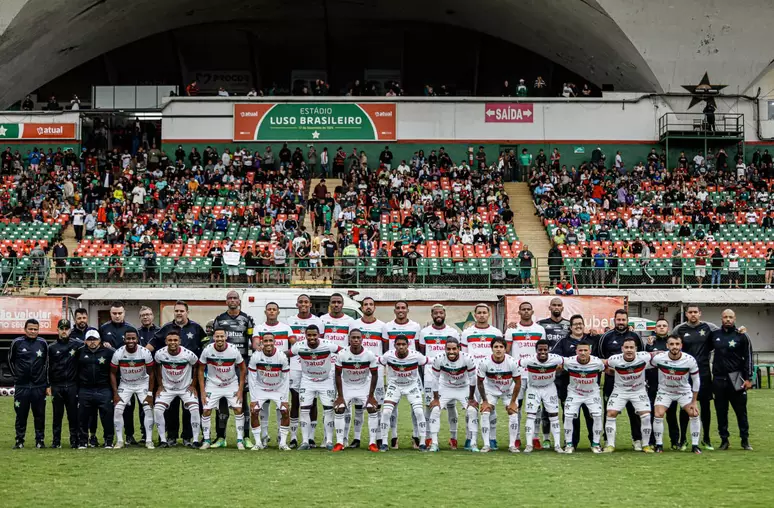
x,y
27,359
63,381
94,392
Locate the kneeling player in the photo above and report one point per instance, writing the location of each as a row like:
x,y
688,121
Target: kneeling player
x,y
137,376
629,368
674,367
402,365
268,380
541,372
453,380
356,378
225,369
176,367
583,389
499,379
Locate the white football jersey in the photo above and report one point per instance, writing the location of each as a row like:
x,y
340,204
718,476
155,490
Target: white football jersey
x,y
434,339
176,370
268,372
316,363
584,377
477,342
524,339
674,375
132,366
630,376
403,372
336,330
298,326
541,374
356,369
453,375
282,333
392,329
372,335
222,366
499,377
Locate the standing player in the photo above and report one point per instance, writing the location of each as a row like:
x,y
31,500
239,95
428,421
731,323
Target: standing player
x,y
371,329
453,380
557,328
657,343
524,336
238,327
356,377
269,375
63,378
402,326
629,368
225,369
336,324
432,343
674,368
583,390
499,379
138,375
176,369
298,324
541,372
316,382
283,339
402,365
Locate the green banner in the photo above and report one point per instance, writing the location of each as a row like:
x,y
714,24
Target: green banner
x,y
10,131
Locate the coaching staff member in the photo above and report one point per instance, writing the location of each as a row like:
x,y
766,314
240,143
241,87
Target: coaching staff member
x,y
27,359
63,379
94,391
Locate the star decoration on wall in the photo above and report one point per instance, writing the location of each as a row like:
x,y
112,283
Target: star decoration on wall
x,y
704,91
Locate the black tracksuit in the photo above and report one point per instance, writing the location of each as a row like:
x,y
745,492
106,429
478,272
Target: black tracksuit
x,y
611,343
27,359
566,348
63,378
94,391
697,343
733,355
555,331
659,344
78,334
113,334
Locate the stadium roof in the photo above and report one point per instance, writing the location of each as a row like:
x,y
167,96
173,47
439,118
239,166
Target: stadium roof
x,y
644,46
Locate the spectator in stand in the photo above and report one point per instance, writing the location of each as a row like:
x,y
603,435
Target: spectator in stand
x,y
677,266
280,263
567,90
717,261
555,263
385,158
192,90
329,250
60,254
412,257
28,105
525,265
216,264
769,268
733,269
600,263
521,90
701,256
75,103
540,86
564,288
315,258
222,92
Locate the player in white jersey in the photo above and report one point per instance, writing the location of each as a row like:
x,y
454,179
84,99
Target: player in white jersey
x,y
524,336
476,341
316,382
176,367
371,329
402,365
432,343
336,324
356,376
268,379
402,326
583,389
225,379
499,379
299,324
453,380
541,373
283,340
629,368
674,369
136,367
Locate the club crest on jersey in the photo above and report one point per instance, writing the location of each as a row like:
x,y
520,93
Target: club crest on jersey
x,y
357,365
402,367
630,370
220,362
313,356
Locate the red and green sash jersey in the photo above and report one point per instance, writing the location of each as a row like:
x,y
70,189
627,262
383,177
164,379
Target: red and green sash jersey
x,y
336,330
630,376
282,333
372,335
268,372
583,376
316,363
453,375
524,339
541,374
392,329
132,366
176,370
221,366
499,377
477,342
434,339
673,374
299,325
356,368
403,372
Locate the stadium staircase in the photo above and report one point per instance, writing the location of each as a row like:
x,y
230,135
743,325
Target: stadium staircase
x,y
330,184
530,228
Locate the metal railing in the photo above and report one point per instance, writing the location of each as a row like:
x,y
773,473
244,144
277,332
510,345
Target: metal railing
x,y
700,124
492,272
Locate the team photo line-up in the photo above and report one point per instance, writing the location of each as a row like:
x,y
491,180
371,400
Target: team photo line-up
x,y
353,367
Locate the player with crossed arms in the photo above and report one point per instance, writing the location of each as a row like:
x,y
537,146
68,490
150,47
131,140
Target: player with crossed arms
x,y
499,379
176,379
453,380
269,381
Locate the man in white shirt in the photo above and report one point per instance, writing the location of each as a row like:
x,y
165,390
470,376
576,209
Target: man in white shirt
x,y
78,216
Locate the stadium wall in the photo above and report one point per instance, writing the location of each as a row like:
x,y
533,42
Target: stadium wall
x,y
24,131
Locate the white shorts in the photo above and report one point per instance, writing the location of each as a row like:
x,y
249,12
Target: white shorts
x,y
494,398
295,373
309,390
449,396
356,396
264,396
545,395
573,403
412,392
665,399
701,271
233,270
639,399
250,272
215,393
522,390
127,391
166,397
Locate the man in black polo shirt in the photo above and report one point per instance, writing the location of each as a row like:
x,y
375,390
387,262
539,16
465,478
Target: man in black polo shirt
x,y
94,392
611,343
27,359
63,380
